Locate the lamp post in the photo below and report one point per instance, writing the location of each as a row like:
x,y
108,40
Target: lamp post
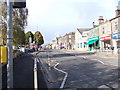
x,y
9,45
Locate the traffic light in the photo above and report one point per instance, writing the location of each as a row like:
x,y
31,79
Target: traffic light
x,y
19,4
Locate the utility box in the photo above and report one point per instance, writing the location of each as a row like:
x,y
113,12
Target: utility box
x,y
3,54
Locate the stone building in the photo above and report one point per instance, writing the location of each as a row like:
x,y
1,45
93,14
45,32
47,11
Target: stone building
x,y
69,40
115,29
93,38
105,35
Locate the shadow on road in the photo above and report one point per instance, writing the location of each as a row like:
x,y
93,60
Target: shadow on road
x,y
66,55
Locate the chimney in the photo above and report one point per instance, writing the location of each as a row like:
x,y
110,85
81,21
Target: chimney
x,y
101,20
93,24
119,5
117,11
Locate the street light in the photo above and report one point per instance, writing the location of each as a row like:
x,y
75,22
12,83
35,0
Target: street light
x,y
10,6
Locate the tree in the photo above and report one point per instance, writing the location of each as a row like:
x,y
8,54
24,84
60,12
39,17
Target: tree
x,y
19,22
27,36
38,38
19,37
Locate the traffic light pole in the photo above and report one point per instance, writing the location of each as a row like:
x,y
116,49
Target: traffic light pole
x,y
9,45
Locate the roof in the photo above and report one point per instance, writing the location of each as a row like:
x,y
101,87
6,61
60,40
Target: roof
x,y
92,28
70,33
115,18
81,30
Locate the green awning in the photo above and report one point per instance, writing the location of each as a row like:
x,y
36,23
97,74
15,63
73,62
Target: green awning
x,y
91,42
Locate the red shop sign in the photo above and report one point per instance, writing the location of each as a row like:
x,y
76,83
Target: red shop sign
x,y
105,38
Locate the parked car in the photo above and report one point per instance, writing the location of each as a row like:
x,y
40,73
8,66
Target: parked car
x,y
62,47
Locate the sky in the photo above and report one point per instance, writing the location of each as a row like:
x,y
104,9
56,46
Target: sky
x,y
57,17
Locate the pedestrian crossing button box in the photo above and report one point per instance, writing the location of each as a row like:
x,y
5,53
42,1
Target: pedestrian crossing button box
x,y
3,54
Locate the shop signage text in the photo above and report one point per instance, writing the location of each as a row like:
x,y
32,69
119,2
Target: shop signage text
x,y
105,38
116,35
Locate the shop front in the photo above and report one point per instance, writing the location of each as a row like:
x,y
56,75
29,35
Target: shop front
x,y
93,43
105,42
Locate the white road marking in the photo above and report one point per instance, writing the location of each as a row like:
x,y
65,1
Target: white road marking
x,y
98,61
35,74
66,75
101,62
94,59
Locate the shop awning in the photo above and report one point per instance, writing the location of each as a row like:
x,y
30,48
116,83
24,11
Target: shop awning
x,y
91,42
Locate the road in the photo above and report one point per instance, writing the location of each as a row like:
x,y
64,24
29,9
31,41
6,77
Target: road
x,y
81,72
61,69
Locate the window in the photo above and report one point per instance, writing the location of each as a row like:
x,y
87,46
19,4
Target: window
x,y
116,26
69,36
78,45
85,45
85,33
103,30
69,40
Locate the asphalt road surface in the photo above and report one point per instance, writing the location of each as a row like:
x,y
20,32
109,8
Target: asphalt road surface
x,y
61,69
81,72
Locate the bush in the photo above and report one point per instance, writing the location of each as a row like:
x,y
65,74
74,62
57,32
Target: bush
x,y
16,53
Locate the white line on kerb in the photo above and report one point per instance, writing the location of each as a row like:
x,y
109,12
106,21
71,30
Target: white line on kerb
x,y
66,75
35,74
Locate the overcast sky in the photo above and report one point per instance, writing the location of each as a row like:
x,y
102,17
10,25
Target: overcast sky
x,y
58,17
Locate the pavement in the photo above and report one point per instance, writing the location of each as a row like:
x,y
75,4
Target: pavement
x,y
23,73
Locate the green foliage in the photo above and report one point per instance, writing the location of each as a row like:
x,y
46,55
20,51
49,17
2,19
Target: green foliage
x,y
38,38
27,36
19,22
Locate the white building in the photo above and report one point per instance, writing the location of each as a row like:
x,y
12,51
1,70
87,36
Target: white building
x,y
81,37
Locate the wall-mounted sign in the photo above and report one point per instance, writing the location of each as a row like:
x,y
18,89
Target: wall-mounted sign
x,y
93,38
105,38
116,35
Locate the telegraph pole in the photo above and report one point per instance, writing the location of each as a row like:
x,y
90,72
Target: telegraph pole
x,y
9,45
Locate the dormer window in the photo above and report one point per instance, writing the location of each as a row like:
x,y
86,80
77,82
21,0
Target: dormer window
x,y
85,34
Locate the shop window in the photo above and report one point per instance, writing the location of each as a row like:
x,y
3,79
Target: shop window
x,y
116,26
